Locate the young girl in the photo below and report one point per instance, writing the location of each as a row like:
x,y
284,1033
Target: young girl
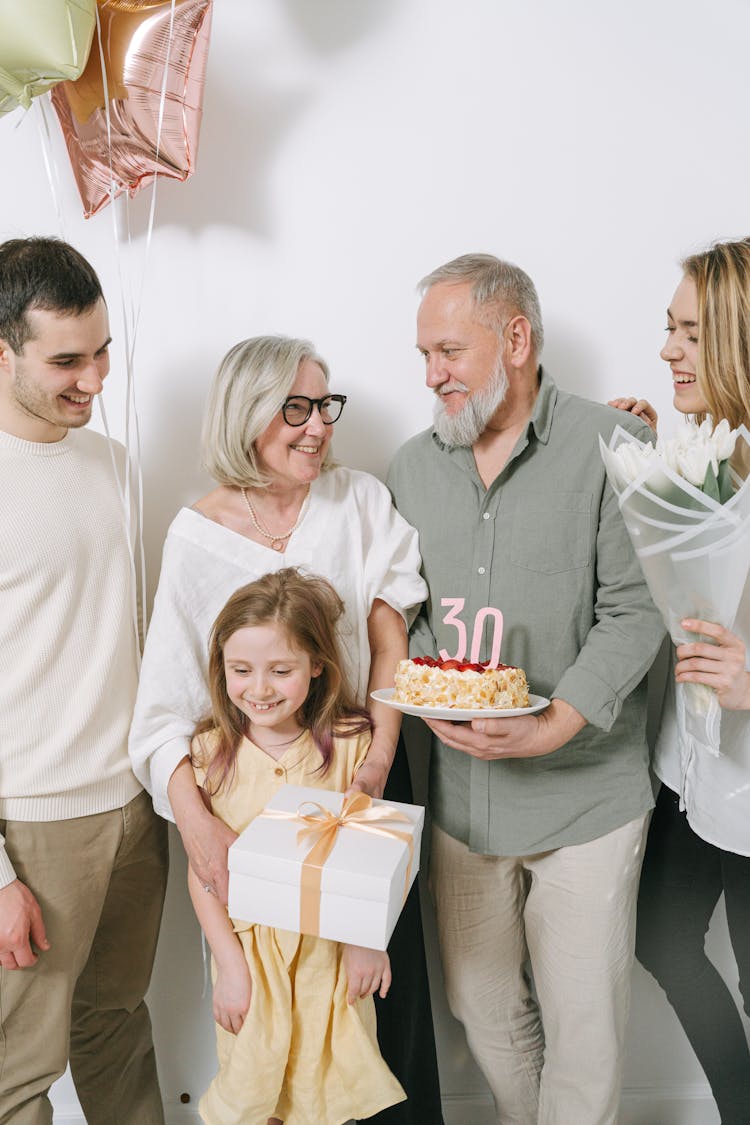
x,y
296,1035
699,839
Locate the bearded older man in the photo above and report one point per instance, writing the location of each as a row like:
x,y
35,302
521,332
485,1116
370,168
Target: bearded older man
x,y
539,819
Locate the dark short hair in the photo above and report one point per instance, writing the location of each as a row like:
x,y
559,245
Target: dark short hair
x,y
41,273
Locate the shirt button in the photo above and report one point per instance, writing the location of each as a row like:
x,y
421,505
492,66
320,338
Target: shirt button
x,y
481,570
485,515
279,771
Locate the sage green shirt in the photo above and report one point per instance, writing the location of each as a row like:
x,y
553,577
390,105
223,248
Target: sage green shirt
x,y
545,544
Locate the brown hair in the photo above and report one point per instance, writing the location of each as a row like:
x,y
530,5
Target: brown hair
x,y
42,273
722,278
306,609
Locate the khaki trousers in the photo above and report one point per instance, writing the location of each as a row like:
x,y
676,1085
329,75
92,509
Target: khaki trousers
x,y
100,882
571,914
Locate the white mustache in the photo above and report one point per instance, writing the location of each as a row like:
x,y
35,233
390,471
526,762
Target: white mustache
x,y
453,385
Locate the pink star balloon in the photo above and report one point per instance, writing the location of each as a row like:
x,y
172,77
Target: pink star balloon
x,y
112,132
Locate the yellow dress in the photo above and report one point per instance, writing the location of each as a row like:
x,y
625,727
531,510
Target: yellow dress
x,y
303,1054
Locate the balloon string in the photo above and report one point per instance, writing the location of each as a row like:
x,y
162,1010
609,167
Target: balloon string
x,y
131,309
133,432
132,462
122,492
152,206
137,306
50,164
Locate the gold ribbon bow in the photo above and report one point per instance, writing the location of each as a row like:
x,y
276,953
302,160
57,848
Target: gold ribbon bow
x,y
321,827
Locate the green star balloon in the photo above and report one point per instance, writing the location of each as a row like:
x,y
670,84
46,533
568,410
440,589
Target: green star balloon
x,y
42,42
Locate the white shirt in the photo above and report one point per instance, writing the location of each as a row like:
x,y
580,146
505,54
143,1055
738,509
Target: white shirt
x,y
714,790
351,534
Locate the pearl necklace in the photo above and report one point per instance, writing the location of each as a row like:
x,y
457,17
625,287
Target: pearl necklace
x,y
278,542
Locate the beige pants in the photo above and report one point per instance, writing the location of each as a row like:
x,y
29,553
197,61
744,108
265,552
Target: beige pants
x,y
571,914
100,882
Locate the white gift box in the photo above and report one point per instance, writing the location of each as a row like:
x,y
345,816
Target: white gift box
x,y
364,880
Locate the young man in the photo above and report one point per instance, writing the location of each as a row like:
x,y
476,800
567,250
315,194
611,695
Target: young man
x,y
539,820
83,858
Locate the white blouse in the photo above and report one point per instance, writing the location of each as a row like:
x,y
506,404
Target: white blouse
x,y
351,534
715,791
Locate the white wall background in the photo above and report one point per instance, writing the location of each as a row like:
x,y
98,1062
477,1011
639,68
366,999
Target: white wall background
x,y
348,147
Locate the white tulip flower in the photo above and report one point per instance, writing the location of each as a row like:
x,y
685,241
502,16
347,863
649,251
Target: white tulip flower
x,y
688,454
724,440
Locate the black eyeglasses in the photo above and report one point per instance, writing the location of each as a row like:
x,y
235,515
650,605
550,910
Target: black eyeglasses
x,y
298,408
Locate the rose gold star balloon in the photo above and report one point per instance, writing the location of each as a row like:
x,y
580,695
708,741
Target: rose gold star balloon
x,y
112,130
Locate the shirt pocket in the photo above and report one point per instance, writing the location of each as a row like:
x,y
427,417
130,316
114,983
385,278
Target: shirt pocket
x,y
551,531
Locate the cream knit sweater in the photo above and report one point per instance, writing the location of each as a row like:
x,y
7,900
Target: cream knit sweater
x,y
68,658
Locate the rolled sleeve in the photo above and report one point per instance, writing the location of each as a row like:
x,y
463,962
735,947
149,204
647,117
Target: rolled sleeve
x,y
622,644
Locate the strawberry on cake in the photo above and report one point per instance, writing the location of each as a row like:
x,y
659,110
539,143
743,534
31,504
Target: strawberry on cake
x,y
426,682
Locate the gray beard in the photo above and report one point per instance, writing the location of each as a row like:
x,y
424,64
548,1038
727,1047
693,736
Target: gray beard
x,y
468,425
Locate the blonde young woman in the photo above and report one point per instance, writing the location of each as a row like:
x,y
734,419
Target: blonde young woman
x,y
699,839
280,503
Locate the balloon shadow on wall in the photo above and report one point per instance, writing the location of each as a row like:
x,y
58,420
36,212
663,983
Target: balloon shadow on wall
x,y
330,25
366,438
172,474
245,124
239,137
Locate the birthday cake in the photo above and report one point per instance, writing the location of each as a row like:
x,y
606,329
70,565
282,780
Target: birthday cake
x,y
426,682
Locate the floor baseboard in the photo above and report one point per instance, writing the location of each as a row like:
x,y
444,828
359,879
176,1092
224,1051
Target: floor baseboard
x,y
691,1105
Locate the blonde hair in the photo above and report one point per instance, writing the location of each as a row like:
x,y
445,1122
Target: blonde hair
x,y
306,609
249,388
722,278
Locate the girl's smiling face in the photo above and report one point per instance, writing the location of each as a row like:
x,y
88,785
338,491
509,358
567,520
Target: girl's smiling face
x,y
268,679
681,348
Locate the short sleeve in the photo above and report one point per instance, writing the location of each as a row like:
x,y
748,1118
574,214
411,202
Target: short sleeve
x,y
363,743
390,550
198,760
350,751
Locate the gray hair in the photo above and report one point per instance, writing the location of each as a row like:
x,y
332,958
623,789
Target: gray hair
x,y
496,287
249,388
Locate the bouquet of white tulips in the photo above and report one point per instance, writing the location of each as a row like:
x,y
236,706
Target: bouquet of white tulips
x,y
688,516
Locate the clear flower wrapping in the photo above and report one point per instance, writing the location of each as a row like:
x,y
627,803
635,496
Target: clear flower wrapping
x,y
688,516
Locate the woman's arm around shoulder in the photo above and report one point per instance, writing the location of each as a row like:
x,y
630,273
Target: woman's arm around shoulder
x,y
233,986
388,644
205,837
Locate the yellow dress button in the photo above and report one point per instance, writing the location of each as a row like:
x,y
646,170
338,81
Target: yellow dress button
x,y
279,771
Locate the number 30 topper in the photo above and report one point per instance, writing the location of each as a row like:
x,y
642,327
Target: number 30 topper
x,y
452,618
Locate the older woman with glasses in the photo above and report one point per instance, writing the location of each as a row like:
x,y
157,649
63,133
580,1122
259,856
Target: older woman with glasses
x,y
280,502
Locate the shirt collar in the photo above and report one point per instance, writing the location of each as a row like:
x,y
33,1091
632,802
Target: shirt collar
x,y
544,407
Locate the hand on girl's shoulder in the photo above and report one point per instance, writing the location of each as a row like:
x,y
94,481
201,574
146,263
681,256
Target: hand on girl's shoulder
x,y
641,407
